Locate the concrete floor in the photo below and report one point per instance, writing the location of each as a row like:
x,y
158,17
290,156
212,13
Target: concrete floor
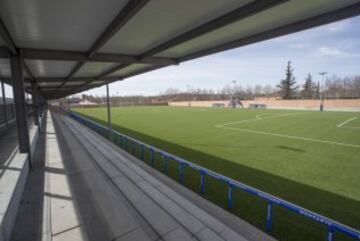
x,y
82,187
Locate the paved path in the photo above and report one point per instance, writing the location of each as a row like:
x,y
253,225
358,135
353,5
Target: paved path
x,y
83,187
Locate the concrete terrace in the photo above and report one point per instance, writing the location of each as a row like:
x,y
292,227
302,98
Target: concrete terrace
x,y
82,187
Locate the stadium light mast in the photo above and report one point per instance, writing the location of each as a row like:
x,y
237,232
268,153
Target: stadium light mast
x,y
322,95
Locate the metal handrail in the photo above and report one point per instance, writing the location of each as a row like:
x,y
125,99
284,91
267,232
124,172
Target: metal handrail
x,y
333,226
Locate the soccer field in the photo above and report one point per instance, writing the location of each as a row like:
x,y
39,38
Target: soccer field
x,y
309,158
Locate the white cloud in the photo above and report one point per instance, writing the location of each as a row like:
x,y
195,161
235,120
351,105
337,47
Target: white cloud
x,y
326,51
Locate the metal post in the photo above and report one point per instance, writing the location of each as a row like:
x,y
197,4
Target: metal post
x,y
34,94
68,103
165,164
230,196
269,217
331,233
142,152
202,182
181,172
4,102
152,156
322,94
108,109
133,146
19,100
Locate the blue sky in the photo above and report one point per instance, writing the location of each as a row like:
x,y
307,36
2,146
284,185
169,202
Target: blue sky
x,y
334,48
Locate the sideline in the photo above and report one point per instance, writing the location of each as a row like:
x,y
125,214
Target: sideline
x,y
292,137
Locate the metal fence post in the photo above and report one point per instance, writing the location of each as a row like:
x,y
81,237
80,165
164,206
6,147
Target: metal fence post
x,y
165,164
133,147
269,217
230,196
142,152
181,172
152,156
331,233
202,182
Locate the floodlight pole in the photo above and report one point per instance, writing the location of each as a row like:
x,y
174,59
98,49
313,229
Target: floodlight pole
x,y
108,109
4,102
322,94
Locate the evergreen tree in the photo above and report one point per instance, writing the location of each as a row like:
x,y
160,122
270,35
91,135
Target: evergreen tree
x,y
309,88
288,86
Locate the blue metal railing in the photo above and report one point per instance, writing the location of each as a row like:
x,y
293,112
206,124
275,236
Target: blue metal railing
x,y
129,142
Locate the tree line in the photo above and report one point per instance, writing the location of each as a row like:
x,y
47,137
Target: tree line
x,y
333,87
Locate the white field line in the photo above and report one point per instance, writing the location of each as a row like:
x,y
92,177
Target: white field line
x,y
291,137
351,127
256,119
347,121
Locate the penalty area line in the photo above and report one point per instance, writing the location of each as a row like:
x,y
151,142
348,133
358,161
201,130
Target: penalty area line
x,y
347,121
292,137
258,118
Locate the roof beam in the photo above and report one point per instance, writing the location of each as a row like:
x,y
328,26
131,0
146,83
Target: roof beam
x,y
62,55
4,53
126,13
238,14
326,18
228,18
77,79
4,33
131,8
112,70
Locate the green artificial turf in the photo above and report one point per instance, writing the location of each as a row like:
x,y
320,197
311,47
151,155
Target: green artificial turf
x,y
301,156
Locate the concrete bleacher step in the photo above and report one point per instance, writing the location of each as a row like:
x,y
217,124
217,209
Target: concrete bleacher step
x,y
157,217
115,210
137,184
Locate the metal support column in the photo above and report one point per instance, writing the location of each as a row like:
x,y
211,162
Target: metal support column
x,y
35,103
19,100
4,102
108,109
68,103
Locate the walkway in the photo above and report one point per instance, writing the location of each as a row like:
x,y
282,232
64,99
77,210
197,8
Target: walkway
x,y
83,187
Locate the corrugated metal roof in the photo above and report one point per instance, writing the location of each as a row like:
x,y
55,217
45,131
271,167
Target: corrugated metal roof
x,y
71,46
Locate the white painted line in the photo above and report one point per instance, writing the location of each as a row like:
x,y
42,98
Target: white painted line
x,y
347,121
351,127
292,137
257,119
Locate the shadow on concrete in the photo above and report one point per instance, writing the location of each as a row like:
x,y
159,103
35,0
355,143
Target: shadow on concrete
x,y
92,221
29,220
33,221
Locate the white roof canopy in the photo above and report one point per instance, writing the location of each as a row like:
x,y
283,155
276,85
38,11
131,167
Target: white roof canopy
x,y
71,46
